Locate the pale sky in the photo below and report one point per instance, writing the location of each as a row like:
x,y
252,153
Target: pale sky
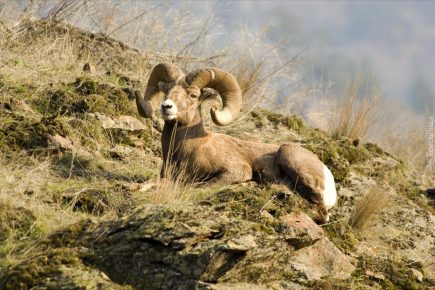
x,y
395,39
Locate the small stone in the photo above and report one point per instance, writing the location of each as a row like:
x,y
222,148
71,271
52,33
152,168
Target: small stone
x,y
416,274
88,68
302,231
122,122
138,144
265,214
242,243
62,142
377,276
120,152
147,186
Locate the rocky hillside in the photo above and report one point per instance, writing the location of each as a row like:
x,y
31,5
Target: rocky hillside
x,y
81,208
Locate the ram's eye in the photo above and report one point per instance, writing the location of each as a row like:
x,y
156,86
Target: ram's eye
x,y
194,95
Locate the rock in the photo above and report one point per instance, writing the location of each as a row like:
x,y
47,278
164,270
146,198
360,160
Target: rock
x,y
21,105
146,186
243,243
88,68
266,215
416,274
323,259
120,151
65,143
138,144
302,230
62,142
377,276
235,286
123,122
184,247
191,246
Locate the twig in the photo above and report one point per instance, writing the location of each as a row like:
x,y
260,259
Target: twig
x,y
275,71
134,18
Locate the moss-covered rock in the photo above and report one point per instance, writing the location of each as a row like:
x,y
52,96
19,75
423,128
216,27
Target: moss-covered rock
x,y
177,246
84,95
290,122
59,268
16,222
251,202
18,132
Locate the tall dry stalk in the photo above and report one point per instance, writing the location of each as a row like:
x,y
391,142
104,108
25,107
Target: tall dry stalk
x,y
179,178
357,109
367,207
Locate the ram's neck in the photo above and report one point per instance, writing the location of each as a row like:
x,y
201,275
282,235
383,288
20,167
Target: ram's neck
x,y
174,134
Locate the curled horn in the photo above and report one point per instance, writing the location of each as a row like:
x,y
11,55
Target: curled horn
x,y
163,72
227,87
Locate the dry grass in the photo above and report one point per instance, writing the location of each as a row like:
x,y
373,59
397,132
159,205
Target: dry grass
x,y
177,187
357,109
23,187
367,207
178,184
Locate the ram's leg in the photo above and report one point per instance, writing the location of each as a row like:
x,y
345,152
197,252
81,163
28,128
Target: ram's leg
x,y
163,172
231,176
306,172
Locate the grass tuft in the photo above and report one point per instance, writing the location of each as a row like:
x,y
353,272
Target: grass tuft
x,y
367,207
357,109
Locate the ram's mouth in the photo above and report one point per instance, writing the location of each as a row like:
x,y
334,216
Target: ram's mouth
x,y
168,116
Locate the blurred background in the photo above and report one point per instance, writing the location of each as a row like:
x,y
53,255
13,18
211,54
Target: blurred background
x,y
362,69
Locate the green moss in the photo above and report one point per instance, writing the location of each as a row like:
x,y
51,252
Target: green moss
x,y
16,222
329,153
68,237
93,201
342,235
84,95
18,132
373,148
87,86
33,271
249,202
263,228
88,130
396,272
290,122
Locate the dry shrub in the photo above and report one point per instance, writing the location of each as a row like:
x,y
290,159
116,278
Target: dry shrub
x,y
357,109
177,186
247,73
367,207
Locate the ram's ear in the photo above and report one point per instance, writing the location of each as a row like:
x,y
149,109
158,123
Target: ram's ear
x,y
208,93
193,91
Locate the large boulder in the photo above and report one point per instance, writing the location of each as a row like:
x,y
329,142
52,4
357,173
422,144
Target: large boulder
x,y
194,246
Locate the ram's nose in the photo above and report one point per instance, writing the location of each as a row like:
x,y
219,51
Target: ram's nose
x,y
166,106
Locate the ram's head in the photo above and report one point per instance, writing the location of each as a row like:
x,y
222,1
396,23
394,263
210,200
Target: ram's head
x,y
181,94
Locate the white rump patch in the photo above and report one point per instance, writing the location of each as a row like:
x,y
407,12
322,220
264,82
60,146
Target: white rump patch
x,y
330,193
168,109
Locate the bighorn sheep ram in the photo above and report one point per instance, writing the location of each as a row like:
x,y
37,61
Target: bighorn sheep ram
x,y
221,158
